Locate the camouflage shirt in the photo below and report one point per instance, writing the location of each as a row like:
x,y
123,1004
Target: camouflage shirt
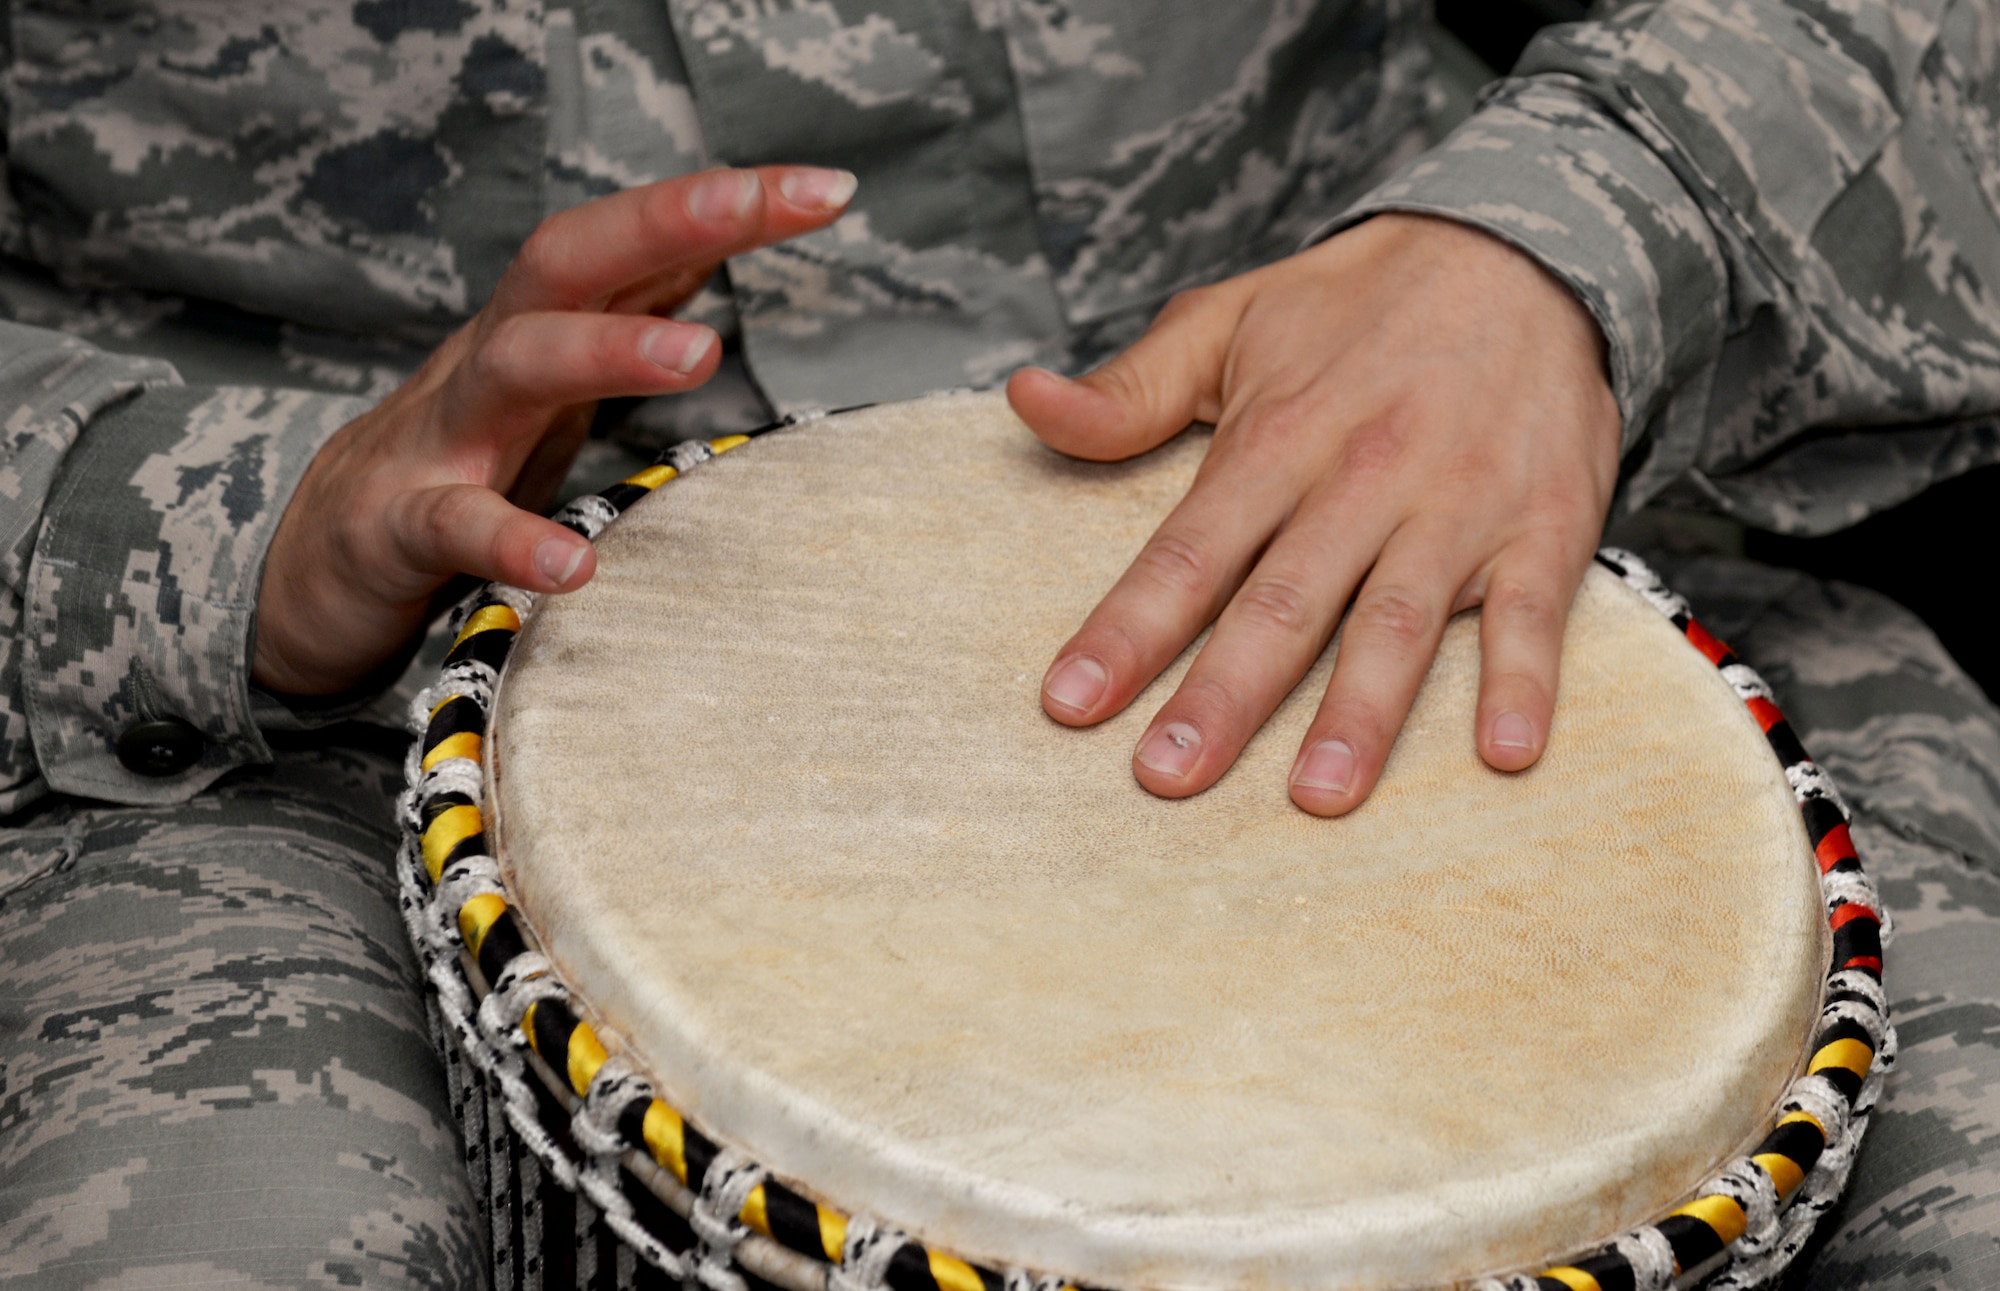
x,y
230,227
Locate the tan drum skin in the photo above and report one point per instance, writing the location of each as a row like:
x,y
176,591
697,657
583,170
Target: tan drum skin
x,y
776,794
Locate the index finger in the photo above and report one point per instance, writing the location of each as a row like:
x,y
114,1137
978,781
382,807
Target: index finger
x,y
1175,587
582,257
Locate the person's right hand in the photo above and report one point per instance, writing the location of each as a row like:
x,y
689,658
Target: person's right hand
x,y
447,474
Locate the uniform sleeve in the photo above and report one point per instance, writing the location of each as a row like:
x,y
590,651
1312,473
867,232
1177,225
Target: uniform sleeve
x,y
1786,219
135,512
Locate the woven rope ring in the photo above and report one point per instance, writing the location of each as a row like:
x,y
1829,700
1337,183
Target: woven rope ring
x,y
517,1022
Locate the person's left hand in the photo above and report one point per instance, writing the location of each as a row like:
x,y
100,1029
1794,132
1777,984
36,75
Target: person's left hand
x,y
1411,416
448,474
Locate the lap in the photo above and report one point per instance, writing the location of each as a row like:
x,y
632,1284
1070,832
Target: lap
x,y
217,1067
1915,748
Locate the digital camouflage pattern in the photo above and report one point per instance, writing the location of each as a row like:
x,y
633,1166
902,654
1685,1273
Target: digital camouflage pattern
x,y
227,229
66,383
214,485
370,165
1037,176
215,1068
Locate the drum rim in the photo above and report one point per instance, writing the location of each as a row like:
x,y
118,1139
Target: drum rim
x,y
508,1009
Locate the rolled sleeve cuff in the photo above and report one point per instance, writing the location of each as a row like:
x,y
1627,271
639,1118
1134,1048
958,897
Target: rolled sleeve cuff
x,y
143,587
1545,168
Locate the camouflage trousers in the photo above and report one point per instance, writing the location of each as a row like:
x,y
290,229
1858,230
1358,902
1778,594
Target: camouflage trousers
x,y
217,1069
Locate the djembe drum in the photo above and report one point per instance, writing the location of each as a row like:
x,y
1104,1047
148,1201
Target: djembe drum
x,y
779,938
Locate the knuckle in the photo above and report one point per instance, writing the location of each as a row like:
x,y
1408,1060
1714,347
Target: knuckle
x,y
1393,617
663,213
1375,447
613,348
496,361
1120,378
541,257
1364,726
1469,472
661,205
1206,698
504,544
1272,420
430,524
1566,532
1555,503
1516,689
1176,564
1183,303
1264,440
1281,435
1521,608
1276,604
457,512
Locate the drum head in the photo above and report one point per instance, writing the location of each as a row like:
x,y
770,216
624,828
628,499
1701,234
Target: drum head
x,y
776,793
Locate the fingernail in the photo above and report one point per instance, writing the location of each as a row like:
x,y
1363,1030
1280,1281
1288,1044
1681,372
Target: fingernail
x,y
827,190
557,559
1077,683
1511,731
1327,765
1171,750
677,349
727,194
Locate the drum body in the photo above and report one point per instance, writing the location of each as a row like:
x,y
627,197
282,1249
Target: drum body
x,y
801,908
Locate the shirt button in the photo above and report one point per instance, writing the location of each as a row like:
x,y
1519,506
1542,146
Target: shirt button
x,y
162,747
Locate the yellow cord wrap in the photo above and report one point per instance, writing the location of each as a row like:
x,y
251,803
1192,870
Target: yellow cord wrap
x,y
586,1055
954,1274
485,619
664,1139
453,826
478,914
754,1213
832,1233
1785,1173
465,744
652,477
1720,1213
1849,1055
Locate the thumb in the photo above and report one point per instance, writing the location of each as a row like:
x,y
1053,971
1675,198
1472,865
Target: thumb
x,y
1145,396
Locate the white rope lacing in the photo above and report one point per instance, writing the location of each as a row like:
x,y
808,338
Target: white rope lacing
x,y
1651,1258
725,1186
864,1260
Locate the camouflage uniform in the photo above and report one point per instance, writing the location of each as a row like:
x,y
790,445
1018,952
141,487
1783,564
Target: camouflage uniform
x,y
229,228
